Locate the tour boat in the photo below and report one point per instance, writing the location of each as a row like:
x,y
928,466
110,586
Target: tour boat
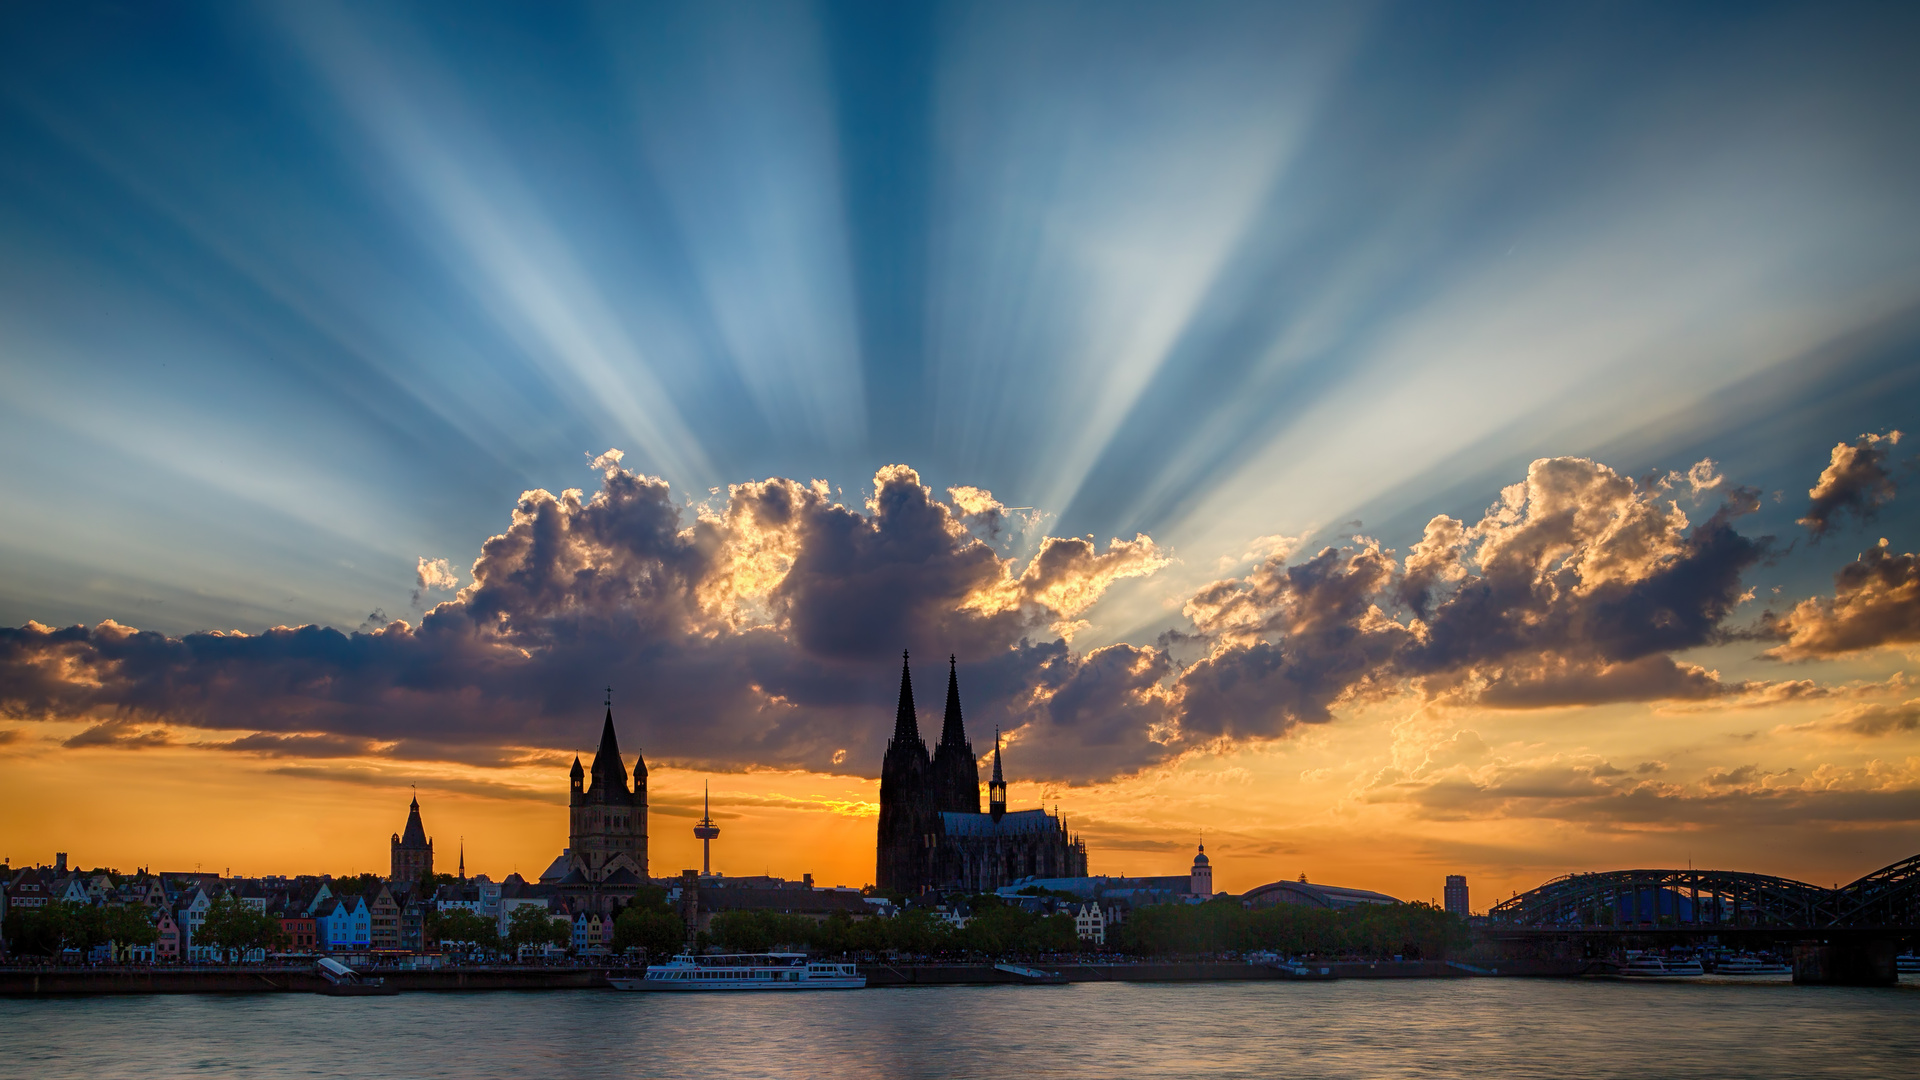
x,y
1749,964
746,971
1907,964
1652,967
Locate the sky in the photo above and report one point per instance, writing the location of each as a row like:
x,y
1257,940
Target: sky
x,y
1388,440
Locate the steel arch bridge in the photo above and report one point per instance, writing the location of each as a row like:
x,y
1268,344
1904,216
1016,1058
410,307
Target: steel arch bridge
x,y
1717,899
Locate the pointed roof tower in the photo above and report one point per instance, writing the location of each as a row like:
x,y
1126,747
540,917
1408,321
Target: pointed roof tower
x,y
906,726
953,732
997,788
415,834
608,769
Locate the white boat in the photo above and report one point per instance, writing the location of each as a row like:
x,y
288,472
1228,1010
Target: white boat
x,y
1652,967
745,971
1749,964
1907,964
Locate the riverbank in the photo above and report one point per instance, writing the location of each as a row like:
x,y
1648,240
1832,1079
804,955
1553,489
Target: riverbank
x,y
49,982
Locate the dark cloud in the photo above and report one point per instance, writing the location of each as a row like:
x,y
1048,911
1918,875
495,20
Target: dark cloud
x,y
1856,481
1593,795
9,736
765,631
303,746
1876,601
119,735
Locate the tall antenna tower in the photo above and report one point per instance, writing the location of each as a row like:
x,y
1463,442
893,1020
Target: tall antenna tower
x,y
707,832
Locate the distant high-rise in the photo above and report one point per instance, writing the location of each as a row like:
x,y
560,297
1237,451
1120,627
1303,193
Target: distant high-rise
x,y
1456,895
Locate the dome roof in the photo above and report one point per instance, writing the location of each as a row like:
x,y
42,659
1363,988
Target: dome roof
x,y
1201,858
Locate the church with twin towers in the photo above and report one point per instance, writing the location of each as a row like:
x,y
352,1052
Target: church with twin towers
x,y
933,836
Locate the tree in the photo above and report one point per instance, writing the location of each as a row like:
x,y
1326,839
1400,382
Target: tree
x,y
232,926
128,927
52,928
461,926
533,924
653,927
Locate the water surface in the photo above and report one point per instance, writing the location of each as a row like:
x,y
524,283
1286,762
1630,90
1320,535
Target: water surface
x,y
1424,1028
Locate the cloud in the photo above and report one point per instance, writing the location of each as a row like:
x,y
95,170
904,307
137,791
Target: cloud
x,y
120,735
9,736
1591,793
763,628
1876,602
763,631
433,574
1856,481
1875,720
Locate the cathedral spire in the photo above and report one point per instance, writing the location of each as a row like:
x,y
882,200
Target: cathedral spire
x,y
906,726
997,788
953,733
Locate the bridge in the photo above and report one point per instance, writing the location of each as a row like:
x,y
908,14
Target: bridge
x,y
1854,924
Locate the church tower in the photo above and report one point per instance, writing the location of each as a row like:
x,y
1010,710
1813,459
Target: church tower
x,y
607,821
412,852
907,808
956,772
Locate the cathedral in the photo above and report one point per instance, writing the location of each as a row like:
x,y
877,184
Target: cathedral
x,y
933,836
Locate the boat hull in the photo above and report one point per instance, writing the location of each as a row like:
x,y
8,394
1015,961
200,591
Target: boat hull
x,y
674,986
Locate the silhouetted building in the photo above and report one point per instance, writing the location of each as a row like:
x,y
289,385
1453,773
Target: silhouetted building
x,y
607,821
1200,881
1455,897
412,851
932,835
1306,895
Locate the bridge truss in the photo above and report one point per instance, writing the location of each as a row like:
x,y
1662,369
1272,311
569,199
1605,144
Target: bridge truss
x,y
1626,899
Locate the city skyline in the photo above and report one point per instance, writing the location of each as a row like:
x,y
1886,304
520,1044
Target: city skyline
x,y
1396,445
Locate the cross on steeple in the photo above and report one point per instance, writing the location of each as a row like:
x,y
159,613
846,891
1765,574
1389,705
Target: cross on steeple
x,y
609,697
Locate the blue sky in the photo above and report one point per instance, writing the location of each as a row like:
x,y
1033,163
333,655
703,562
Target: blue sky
x,y
292,295
1246,315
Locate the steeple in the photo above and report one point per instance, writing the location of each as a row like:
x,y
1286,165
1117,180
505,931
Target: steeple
x,y
415,834
906,726
997,788
608,769
953,732
463,858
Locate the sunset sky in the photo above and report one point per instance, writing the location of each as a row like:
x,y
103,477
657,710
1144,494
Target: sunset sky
x,y
1391,440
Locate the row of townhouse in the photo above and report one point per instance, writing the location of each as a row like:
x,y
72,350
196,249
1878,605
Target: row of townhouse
x,y
316,914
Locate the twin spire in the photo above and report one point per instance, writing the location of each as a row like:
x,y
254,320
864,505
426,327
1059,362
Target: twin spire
x,y
906,722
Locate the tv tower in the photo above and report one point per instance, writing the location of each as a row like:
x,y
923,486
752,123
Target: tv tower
x,y
706,831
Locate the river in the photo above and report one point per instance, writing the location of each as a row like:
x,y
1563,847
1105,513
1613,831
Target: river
x,y
1565,1029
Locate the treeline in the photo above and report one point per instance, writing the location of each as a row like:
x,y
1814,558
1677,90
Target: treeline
x,y
994,930
1415,931
64,924
230,926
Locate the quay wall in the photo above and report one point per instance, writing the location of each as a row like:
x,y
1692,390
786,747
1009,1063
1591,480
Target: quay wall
x,y
47,982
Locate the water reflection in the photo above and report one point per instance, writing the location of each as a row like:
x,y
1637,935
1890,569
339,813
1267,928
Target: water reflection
x,y
1477,1027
